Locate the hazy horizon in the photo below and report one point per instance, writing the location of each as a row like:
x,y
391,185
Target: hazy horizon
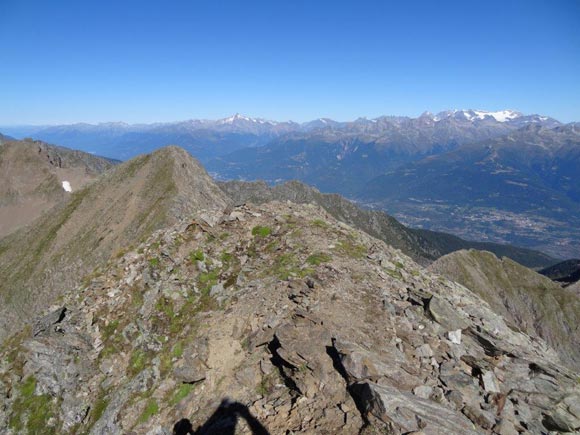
x,y
260,118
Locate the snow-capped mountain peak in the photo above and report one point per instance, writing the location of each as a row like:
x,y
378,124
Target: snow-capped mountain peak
x,y
473,115
238,117
500,116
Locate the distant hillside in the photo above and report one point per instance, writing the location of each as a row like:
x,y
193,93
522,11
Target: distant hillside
x,y
204,139
4,138
35,176
121,208
567,272
445,243
522,189
422,246
530,301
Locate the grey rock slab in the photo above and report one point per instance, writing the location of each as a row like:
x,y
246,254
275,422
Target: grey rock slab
x,y
408,412
45,323
482,418
445,314
490,383
565,416
423,391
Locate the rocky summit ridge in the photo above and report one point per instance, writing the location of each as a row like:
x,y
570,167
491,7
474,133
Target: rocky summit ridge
x,y
104,218
277,318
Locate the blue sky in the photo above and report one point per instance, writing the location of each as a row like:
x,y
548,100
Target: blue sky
x,y
145,61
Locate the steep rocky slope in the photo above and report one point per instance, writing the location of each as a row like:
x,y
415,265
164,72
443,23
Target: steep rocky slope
x,y
421,245
528,300
39,262
32,174
278,319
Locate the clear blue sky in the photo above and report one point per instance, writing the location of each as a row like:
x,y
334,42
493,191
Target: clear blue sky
x,y
144,61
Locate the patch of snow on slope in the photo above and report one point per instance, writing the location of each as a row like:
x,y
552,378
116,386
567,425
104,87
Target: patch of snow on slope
x,y
66,186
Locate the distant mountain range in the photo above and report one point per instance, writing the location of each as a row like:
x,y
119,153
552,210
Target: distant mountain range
x,y
501,176
206,139
343,157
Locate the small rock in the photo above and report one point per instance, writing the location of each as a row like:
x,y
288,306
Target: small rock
x,y
454,336
455,398
424,351
505,427
482,418
423,391
216,290
45,323
389,308
490,383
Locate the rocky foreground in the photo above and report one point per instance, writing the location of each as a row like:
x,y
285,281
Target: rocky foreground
x,y
277,319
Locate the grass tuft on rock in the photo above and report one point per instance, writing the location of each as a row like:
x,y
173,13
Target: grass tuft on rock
x,y
260,231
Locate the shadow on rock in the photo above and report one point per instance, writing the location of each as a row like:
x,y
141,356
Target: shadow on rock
x,y
223,421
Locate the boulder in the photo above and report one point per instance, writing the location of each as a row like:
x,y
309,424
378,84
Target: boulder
x,y
405,412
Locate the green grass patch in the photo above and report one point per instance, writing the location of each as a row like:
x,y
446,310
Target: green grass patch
x,y
260,231
320,223
165,363
136,296
394,273
165,306
151,408
226,258
287,265
30,413
318,258
137,362
351,249
110,329
181,393
196,256
267,384
177,350
154,262
98,409
207,280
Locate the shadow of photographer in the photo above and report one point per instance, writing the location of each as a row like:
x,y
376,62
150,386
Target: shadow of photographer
x,y
223,421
